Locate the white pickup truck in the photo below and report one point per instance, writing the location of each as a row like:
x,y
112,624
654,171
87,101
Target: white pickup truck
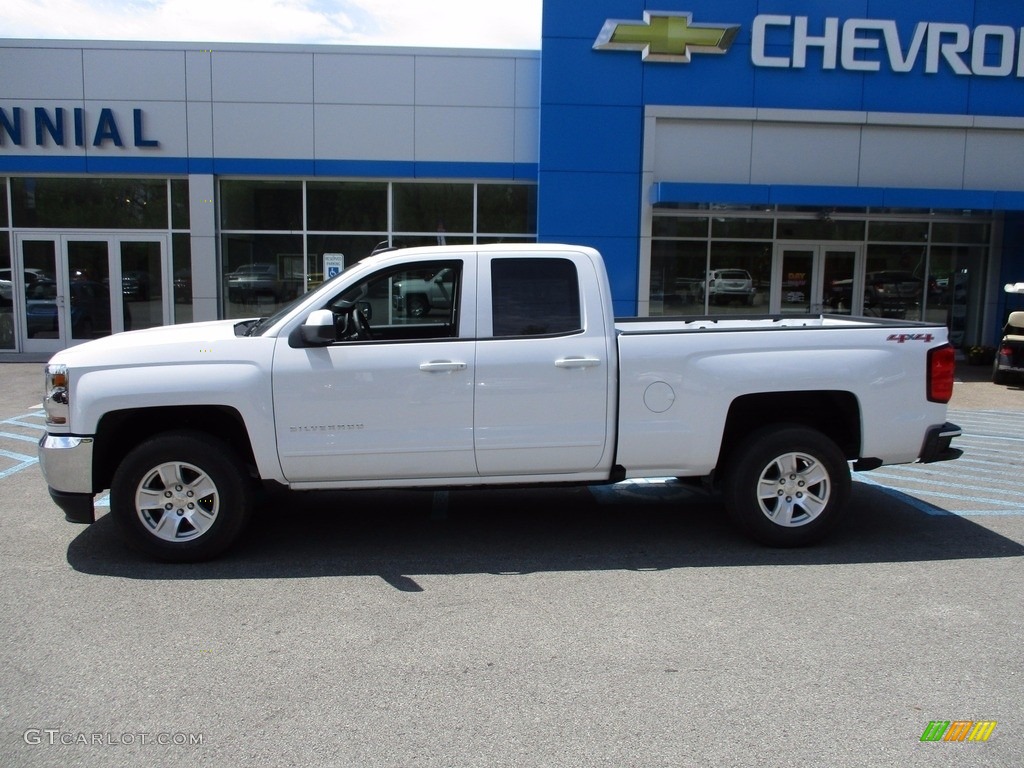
x,y
525,379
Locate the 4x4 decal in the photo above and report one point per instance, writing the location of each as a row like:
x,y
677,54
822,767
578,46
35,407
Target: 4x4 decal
x,y
900,338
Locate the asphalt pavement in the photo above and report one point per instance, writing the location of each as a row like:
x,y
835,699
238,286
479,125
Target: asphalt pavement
x,y
624,626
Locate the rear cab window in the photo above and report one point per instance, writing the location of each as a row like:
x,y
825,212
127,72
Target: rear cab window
x,y
535,297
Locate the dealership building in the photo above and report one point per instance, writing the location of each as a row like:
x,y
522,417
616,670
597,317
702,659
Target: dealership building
x,y
737,157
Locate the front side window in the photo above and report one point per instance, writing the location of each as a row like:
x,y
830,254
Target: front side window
x,y
406,303
535,297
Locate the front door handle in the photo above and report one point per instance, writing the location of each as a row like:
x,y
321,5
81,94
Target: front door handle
x,y
577,362
440,366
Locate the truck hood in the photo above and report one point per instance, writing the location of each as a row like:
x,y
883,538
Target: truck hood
x,y
170,342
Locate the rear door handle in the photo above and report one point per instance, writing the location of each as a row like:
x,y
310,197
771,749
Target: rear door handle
x,y
440,366
577,362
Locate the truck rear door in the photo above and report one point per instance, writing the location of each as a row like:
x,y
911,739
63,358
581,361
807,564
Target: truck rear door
x,y
543,362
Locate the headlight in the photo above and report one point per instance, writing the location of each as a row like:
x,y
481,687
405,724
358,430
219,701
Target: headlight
x,y
57,394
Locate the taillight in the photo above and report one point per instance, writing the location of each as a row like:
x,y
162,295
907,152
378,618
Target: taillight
x,y
941,364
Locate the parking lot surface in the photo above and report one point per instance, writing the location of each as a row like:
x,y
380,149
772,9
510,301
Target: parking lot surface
x,y
621,626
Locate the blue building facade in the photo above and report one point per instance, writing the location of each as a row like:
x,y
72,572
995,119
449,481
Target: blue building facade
x,y
893,131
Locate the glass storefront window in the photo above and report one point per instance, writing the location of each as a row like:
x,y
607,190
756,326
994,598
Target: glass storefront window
x,y
6,294
818,210
959,232
439,208
89,203
739,278
142,284
507,208
261,205
677,277
353,248
346,206
179,204
3,202
415,241
742,228
261,273
894,282
489,239
680,226
898,231
181,246
820,229
351,219
956,291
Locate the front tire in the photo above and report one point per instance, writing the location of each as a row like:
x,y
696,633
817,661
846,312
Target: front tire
x,y
787,485
181,497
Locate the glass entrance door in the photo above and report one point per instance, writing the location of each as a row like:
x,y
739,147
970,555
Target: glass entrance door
x,y
142,281
77,288
811,278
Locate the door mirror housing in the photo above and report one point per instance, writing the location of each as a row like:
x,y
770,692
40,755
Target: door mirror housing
x,y
319,330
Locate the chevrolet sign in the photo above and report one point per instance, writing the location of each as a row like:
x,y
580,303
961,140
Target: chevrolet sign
x,y
665,36
854,45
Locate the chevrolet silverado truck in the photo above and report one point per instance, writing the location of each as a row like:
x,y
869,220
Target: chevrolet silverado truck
x,y
525,379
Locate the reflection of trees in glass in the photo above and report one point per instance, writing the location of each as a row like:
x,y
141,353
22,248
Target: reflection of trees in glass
x,y
261,205
438,208
89,203
346,206
506,208
180,214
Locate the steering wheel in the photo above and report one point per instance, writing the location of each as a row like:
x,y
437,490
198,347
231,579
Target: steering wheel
x,y
362,325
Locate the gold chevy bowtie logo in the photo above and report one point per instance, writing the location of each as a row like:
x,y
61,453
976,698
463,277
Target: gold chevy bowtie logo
x,y
665,36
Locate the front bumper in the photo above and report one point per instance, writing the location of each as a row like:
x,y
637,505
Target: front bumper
x,y
66,463
937,444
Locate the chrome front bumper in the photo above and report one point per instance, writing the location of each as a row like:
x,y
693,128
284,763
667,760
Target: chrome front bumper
x,y
66,463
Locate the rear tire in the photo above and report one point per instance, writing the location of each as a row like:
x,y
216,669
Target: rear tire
x,y
998,376
787,485
181,496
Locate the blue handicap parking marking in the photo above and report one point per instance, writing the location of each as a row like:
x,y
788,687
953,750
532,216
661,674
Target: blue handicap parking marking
x,y
15,432
987,480
21,462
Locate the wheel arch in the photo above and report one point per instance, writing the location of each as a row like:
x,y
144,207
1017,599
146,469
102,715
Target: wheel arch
x,y
120,431
834,413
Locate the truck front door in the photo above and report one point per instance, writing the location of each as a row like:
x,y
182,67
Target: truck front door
x,y
395,406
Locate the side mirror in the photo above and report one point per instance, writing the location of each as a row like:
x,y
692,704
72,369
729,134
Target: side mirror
x,y
318,329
